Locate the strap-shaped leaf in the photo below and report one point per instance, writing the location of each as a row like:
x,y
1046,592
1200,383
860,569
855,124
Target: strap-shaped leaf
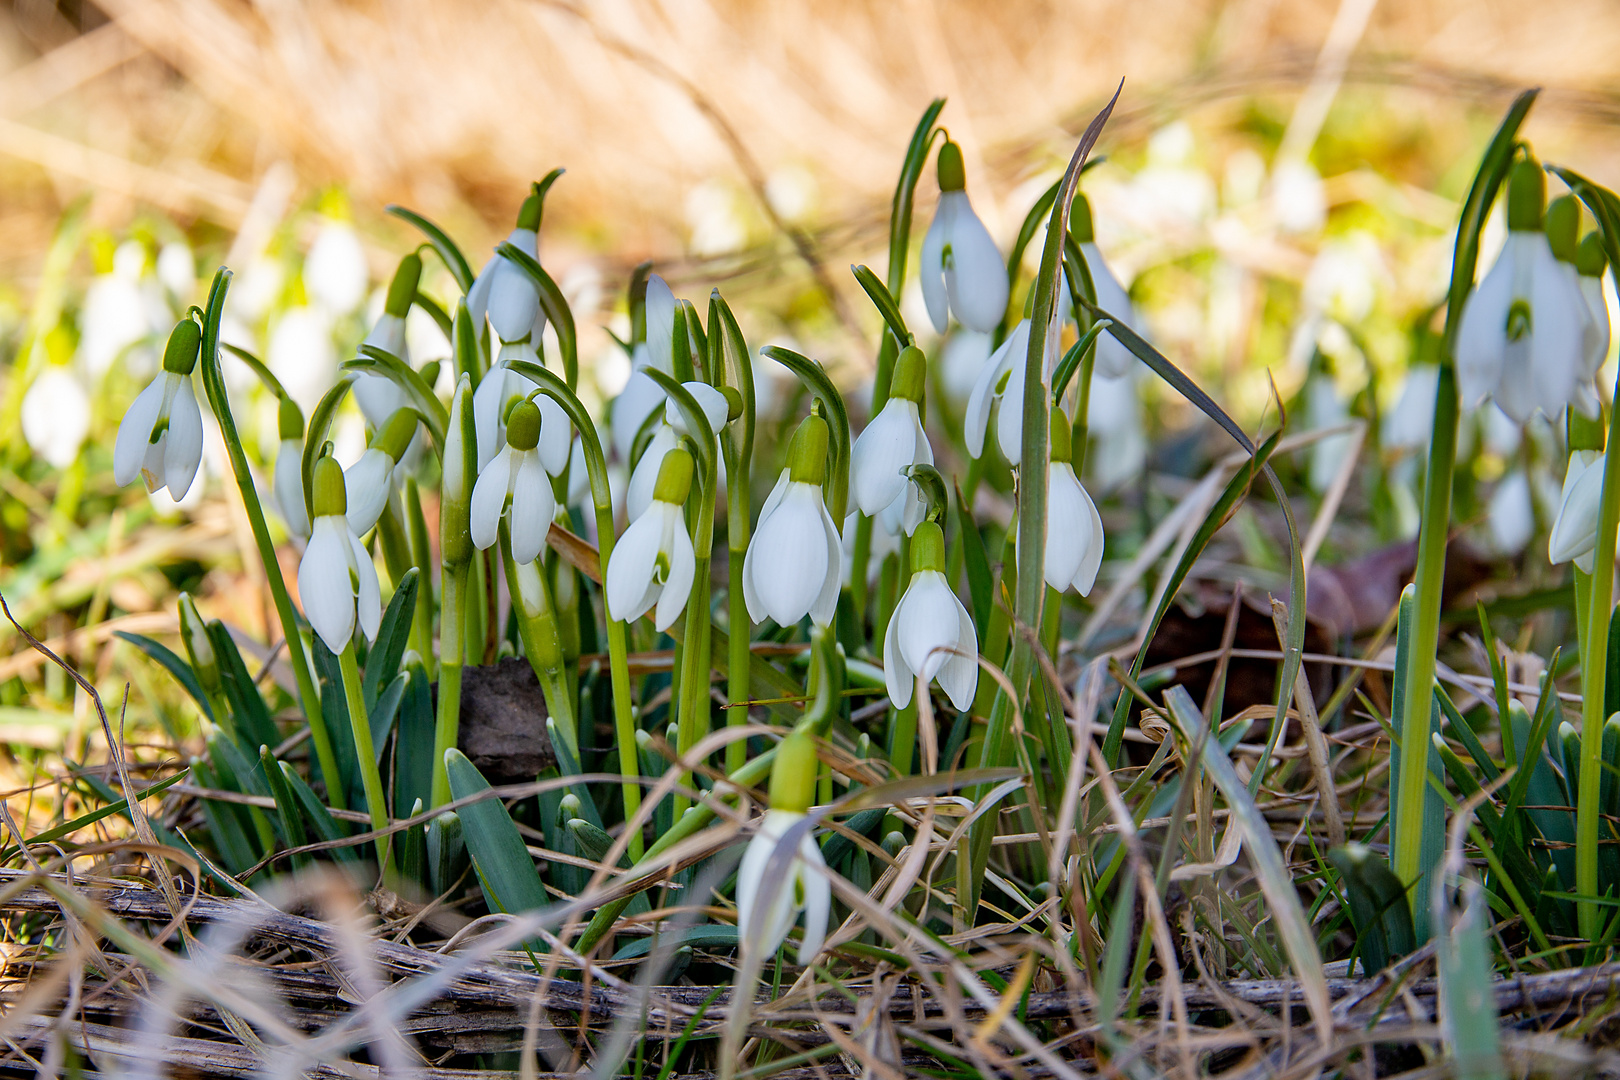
x,y
905,193
976,559
320,425
436,311
241,692
1378,908
287,812
376,361
119,806
315,812
554,304
506,872
884,302
454,260
255,365
382,662
697,423
174,665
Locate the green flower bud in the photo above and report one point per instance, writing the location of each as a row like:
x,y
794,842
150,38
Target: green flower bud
x,y
529,213
199,647
734,402
674,478
430,373
1590,258
1583,433
180,355
402,290
1527,195
1062,436
952,177
523,426
330,495
807,453
290,419
1562,225
568,807
928,548
395,435
910,374
793,773
1080,227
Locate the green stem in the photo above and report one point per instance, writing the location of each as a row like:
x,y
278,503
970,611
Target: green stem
x,y
737,662
537,625
1594,671
696,661
452,641
360,723
219,401
422,559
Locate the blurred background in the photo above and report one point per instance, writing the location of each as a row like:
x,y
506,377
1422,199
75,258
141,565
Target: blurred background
x,y
1280,193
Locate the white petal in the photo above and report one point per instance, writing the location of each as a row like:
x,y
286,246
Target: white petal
x,y
489,401
1068,529
1086,576
976,277
931,268
985,392
660,311
1482,334
790,556
762,931
1558,338
184,451
556,435
135,432
630,588
682,566
324,585
533,507
489,499
1574,531
513,302
1113,359
644,479
289,487
756,607
817,898
366,486
826,604
1010,413
478,295
887,446
711,401
959,675
368,599
930,623
631,408
898,678
1598,329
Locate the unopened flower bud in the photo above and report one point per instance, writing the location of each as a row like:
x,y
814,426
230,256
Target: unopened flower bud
x,y
1527,196
402,290
330,496
793,773
180,355
952,176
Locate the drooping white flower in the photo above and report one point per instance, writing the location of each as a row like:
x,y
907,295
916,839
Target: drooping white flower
x,y
301,354
641,395
1324,408
892,443
1114,420
337,581
795,562
115,316
1510,515
1582,263
1410,424
1113,360
514,485
962,270
161,437
884,543
645,475
1520,341
961,361
653,562
289,482
930,633
56,416
1590,263
335,272
1002,386
500,389
380,397
770,896
503,292
1074,532
369,482
1298,199
1574,530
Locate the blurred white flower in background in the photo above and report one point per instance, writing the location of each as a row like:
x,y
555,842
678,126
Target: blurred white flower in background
x,y
117,316
177,271
961,361
56,416
335,272
711,214
1345,277
302,355
1171,191
1298,200
1114,422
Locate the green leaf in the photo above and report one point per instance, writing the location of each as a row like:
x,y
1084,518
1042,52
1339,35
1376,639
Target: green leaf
x,y
1467,988
815,379
884,302
174,665
410,846
976,560
327,828
713,937
383,712
292,821
121,806
241,692
320,424
905,194
1378,907
445,852
376,361
382,662
505,870
413,750
554,304
436,311
454,260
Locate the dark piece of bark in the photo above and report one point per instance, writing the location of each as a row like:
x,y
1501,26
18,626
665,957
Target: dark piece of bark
x,y
503,722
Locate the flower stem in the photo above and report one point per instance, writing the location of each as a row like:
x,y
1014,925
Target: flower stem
x,y
737,689
696,661
452,640
360,723
422,559
537,625
1594,673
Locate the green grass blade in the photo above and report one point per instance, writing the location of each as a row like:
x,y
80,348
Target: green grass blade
x,y
505,870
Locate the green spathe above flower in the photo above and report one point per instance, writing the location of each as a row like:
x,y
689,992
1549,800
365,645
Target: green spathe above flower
x,y
514,485
771,895
289,482
161,436
1074,532
653,562
337,580
716,408
930,633
641,395
962,271
503,292
1521,336
370,481
795,562
893,442
1574,530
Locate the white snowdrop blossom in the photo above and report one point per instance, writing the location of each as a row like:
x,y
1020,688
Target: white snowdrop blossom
x,y
1520,341
770,897
56,416
335,272
930,634
641,395
961,360
498,391
503,292
369,482
378,396
892,443
288,488
161,437
653,562
644,477
1113,360
1002,386
301,354
794,562
514,485
1574,530
1074,532
962,270
337,581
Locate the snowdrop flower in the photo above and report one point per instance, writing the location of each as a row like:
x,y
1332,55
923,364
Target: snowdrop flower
x,y
501,389
289,484
1112,358
930,634
795,561
1324,408
1298,199
892,443
378,396
1510,515
335,270
514,485
1562,228
114,316
1590,263
1074,532
1410,423
337,580
369,482
177,271
641,395
716,408
962,270
768,906
653,563
1114,418
884,543
961,361
161,437
1003,382
1574,530
1521,333
301,354
503,292
56,416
